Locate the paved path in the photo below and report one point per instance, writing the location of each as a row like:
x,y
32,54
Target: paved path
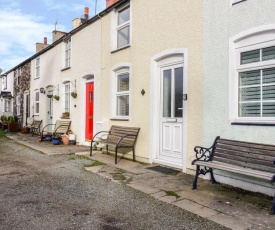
x,y
38,191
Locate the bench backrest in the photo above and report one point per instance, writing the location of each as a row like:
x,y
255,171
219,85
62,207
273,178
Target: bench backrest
x,y
116,132
62,126
245,154
36,123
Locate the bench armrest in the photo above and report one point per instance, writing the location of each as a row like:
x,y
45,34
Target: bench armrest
x,y
204,154
95,136
46,126
128,135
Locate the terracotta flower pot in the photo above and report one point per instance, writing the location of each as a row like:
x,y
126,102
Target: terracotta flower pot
x,y
65,139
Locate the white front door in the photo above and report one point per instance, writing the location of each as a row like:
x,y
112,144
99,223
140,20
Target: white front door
x,y
171,115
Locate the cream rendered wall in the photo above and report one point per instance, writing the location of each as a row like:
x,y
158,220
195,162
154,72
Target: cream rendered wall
x,y
221,22
157,26
85,60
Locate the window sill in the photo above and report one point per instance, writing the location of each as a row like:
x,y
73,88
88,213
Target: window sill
x,y
65,117
36,78
122,48
253,123
236,2
119,119
65,68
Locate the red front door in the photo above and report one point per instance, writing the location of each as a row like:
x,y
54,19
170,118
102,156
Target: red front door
x,y
89,111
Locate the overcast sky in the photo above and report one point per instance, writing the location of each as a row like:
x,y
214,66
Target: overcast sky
x,y
23,23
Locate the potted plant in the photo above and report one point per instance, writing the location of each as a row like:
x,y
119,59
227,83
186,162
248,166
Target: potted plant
x,y
65,139
74,94
4,120
65,114
56,138
12,124
56,97
72,137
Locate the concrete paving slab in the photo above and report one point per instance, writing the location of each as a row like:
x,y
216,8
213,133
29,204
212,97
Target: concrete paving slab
x,y
158,194
231,222
168,199
195,208
94,169
144,188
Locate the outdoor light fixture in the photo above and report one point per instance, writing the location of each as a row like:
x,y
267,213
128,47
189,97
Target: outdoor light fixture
x,y
42,90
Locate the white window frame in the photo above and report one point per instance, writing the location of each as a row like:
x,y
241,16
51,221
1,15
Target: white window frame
x,y
36,102
5,82
18,104
117,71
67,95
256,38
7,105
37,67
67,53
19,73
115,27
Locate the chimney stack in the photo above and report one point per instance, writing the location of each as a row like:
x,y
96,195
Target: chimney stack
x,y
57,35
79,21
41,46
110,2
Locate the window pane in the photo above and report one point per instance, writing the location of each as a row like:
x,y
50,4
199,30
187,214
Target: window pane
x,y
123,16
36,107
167,83
178,91
268,53
250,110
269,109
37,96
123,37
269,76
250,94
123,105
123,82
269,92
250,78
250,57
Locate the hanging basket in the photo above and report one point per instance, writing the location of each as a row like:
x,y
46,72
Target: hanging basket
x,y
74,94
56,97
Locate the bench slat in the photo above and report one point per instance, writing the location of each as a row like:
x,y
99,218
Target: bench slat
x,y
247,144
236,169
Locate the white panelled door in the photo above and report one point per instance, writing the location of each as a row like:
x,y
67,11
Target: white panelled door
x,y
171,120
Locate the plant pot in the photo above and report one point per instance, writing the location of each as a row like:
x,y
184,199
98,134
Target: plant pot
x,y
56,140
13,127
72,137
65,115
72,142
48,138
65,139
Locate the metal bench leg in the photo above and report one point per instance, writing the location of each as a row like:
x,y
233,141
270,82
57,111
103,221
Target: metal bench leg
x,y
134,155
196,178
272,211
91,149
212,177
116,156
107,149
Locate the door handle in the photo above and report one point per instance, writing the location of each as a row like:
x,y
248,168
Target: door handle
x,y
180,108
91,117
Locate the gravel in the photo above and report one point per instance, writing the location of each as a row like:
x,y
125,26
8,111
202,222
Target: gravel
x,y
38,191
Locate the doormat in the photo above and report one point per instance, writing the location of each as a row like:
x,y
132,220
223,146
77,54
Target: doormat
x,y
164,170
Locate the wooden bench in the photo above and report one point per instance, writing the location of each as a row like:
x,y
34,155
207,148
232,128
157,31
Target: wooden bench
x,y
60,127
244,158
35,127
118,136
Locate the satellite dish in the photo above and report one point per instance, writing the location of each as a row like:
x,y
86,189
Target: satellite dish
x,y
1,70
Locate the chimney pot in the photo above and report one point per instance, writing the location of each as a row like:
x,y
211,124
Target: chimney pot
x,y
110,2
45,41
86,13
